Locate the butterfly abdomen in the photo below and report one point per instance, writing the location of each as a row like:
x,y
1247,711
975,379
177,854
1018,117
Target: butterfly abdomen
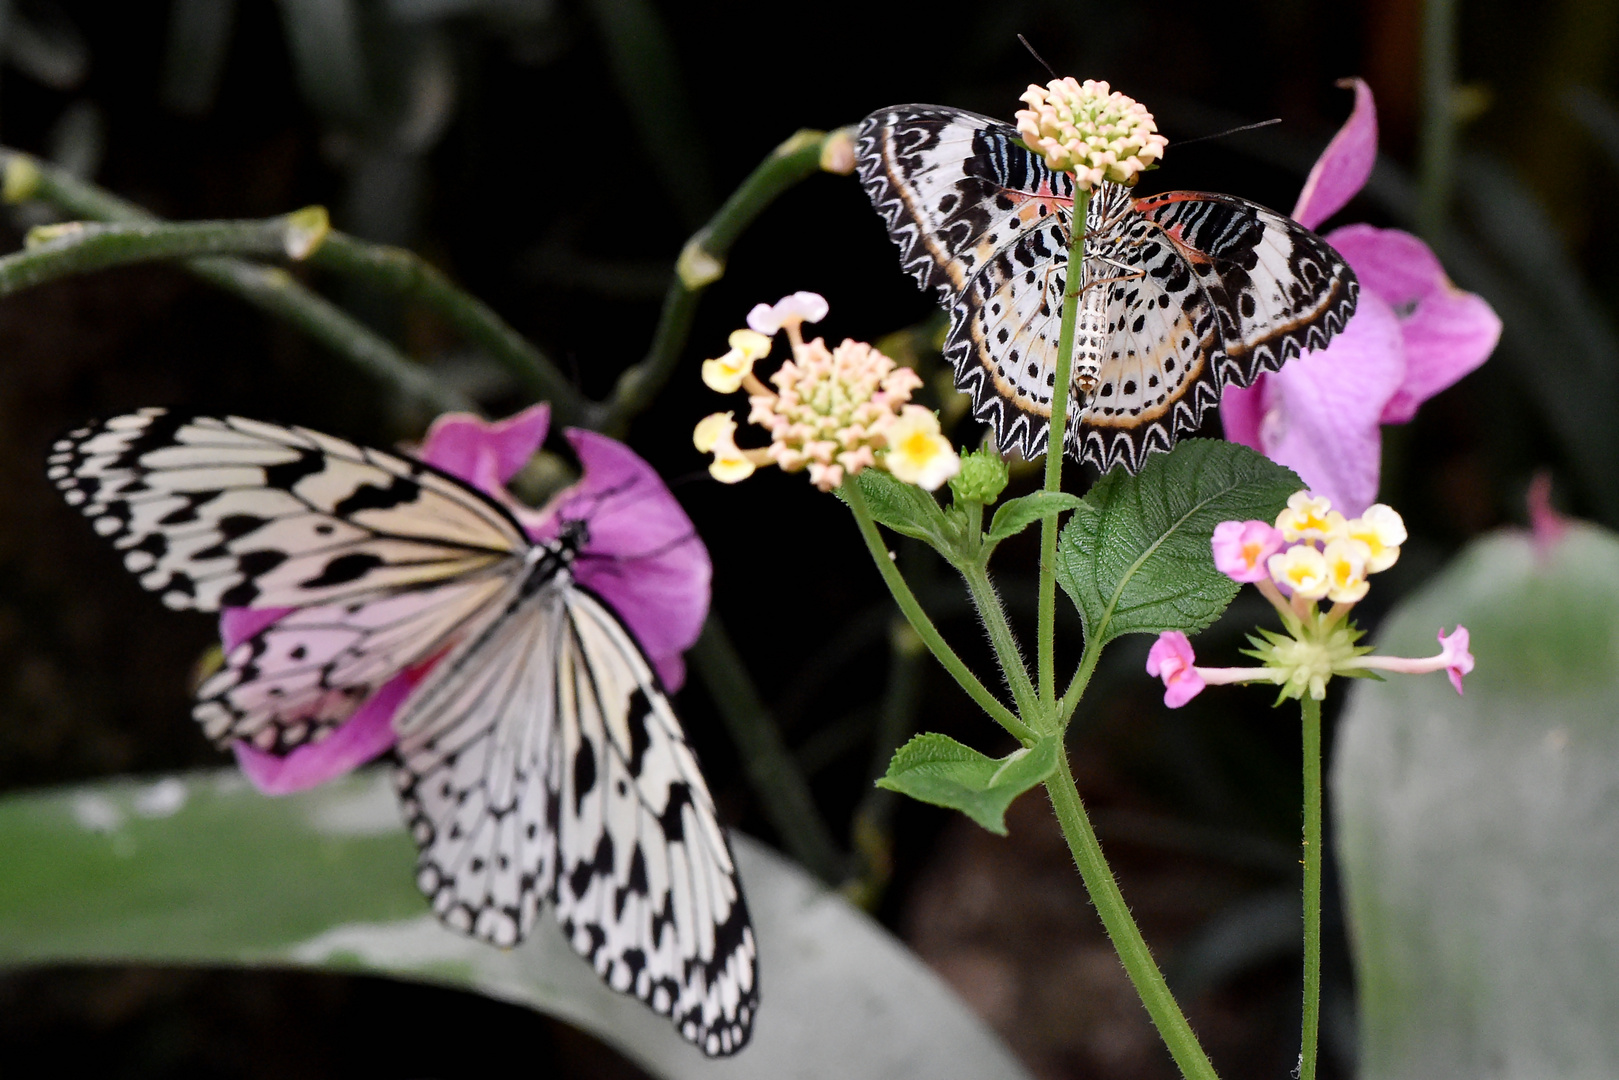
x,y
1090,334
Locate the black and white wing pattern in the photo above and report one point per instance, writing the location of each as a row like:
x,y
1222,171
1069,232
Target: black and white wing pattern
x,y
634,860
540,759
1183,293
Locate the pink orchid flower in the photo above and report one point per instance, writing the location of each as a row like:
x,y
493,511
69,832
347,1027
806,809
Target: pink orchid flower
x,y
642,556
1412,335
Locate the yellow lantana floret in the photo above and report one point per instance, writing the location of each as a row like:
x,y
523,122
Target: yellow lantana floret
x,y
716,434
1309,517
1301,569
1382,530
1346,570
726,373
917,452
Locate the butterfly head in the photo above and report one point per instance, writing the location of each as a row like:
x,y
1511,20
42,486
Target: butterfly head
x,y
573,536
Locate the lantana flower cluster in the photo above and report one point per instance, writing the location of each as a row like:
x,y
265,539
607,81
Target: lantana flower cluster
x,y
833,412
1090,130
1311,553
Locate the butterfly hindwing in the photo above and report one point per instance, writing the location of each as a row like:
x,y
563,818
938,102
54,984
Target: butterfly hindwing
x,y
228,512
296,679
1202,291
642,878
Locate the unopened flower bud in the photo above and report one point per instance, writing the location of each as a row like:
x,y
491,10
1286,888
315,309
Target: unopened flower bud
x,y
982,478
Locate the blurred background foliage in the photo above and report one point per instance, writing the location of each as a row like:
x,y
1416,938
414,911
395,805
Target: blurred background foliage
x,y
552,156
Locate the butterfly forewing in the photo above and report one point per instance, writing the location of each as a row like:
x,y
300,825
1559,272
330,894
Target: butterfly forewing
x,y
1203,291
230,512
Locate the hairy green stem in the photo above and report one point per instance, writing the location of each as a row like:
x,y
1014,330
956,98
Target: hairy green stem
x,y
921,623
1076,685
776,778
1312,887
407,274
1056,434
702,262
993,616
1121,927
268,288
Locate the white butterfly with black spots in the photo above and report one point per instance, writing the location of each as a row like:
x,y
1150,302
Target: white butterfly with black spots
x,y
1183,293
538,759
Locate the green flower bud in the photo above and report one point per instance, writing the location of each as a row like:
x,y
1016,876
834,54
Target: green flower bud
x,y
982,478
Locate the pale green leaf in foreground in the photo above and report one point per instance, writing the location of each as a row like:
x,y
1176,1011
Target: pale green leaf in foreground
x,y
1479,835
201,869
937,769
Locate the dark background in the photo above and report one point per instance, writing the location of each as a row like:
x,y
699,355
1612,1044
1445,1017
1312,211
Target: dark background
x,y
503,141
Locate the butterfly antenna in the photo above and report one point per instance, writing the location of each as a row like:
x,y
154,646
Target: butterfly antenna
x,y
1228,131
1038,57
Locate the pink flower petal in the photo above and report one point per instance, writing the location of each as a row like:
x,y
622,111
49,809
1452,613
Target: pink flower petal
x,y
1547,526
642,554
1453,653
482,452
1321,413
1241,548
1345,165
360,738
1171,659
1446,332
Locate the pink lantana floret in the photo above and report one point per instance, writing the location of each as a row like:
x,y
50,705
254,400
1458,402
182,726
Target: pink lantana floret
x,y
1413,334
1454,654
767,319
1241,548
1171,660
641,555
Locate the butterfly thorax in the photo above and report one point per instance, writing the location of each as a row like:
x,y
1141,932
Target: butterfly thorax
x,y
550,564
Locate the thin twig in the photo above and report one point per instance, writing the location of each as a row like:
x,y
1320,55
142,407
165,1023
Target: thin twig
x,y
702,262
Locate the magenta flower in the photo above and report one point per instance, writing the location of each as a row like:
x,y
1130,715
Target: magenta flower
x,y
642,556
1412,335
1241,549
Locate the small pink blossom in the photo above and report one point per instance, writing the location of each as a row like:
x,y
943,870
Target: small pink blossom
x,y
1413,334
1453,659
1453,651
641,555
1241,549
1171,659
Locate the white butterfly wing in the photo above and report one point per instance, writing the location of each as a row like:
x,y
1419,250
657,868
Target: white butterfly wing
x,y
227,512
298,678
554,708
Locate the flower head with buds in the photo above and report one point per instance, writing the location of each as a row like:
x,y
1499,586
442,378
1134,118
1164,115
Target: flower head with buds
x,y
1090,130
1311,553
832,412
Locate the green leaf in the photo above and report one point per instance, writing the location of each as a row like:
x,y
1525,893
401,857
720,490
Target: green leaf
x,y
202,869
936,769
906,509
1135,556
1015,515
1477,834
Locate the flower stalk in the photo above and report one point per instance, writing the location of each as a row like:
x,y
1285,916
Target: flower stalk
x,y
1074,283
1312,888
